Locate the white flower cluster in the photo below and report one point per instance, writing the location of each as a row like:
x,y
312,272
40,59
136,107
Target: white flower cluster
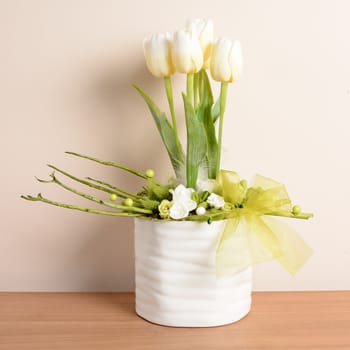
x,y
182,203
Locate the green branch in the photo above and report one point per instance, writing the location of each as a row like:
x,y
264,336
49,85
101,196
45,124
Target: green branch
x,y
132,171
40,198
84,182
304,216
95,199
121,193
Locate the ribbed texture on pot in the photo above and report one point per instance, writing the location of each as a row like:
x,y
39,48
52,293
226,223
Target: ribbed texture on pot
x,y
175,276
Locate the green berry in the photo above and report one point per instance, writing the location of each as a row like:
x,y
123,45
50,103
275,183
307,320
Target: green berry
x,y
150,173
113,197
296,210
128,202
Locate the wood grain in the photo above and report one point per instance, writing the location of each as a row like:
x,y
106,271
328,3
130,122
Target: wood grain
x,y
99,321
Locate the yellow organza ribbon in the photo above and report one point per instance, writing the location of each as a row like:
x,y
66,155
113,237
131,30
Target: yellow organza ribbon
x,y
251,235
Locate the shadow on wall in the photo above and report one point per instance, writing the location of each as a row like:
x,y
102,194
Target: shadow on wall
x,y
127,135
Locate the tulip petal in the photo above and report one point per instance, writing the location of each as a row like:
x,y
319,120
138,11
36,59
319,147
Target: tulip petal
x,y
236,60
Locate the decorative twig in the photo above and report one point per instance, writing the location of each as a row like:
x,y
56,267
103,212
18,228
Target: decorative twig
x,y
40,198
84,182
95,199
304,216
132,171
121,193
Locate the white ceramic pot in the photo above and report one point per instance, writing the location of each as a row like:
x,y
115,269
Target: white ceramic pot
x,y
175,274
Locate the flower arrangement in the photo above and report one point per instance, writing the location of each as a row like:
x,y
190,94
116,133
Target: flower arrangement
x,y
201,190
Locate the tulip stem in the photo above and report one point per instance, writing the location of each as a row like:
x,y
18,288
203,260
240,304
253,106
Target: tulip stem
x,y
195,89
223,95
189,90
169,94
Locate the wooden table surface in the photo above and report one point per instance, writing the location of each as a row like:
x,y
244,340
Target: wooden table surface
x,y
99,321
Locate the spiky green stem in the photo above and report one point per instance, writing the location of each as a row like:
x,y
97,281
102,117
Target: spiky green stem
x,y
121,193
40,198
95,199
304,216
122,167
84,182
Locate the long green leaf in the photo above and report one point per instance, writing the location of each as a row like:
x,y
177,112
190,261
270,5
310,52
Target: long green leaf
x,y
205,114
196,143
215,111
166,132
206,94
212,143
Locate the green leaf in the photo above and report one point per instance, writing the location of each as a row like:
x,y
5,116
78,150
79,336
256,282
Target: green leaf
x,y
215,111
149,203
196,143
212,143
156,191
166,132
205,114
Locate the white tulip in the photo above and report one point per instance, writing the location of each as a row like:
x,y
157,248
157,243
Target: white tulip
x,y
216,201
226,64
186,52
157,50
205,31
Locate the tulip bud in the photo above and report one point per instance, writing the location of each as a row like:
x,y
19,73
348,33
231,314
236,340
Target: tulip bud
x,y
187,53
157,50
205,31
226,64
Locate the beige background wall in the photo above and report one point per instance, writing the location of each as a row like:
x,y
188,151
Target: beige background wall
x,y
66,73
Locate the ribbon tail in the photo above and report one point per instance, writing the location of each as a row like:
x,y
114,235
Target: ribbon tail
x,y
232,254
294,250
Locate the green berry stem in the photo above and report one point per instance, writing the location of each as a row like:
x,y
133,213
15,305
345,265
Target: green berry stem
x,y
84,182
108,163
95,199
121,193
40,198
122,167
304,216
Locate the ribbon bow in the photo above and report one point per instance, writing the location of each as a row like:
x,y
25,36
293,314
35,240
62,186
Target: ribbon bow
x,y
251,235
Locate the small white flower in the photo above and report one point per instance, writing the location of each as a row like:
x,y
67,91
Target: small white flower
x,y
182,195
178,211
216,201
206,185
182,202
200,211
